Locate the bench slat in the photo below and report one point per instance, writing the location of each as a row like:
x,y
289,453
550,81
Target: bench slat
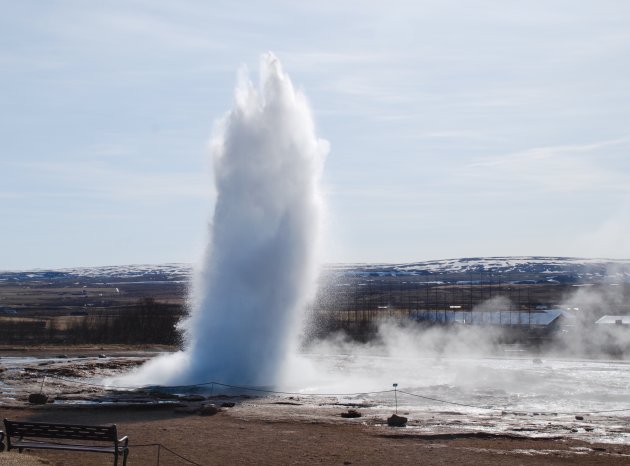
x,y
61,431
60,446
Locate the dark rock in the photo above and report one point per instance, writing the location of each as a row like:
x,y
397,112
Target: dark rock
x,y
208,410
352,413
227,404
537,361
62,356
163,396
579,418
102,356
37,398
192,398
186,409
396,421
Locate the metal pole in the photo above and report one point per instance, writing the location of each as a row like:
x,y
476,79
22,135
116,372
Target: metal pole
x,y
396,396
41,389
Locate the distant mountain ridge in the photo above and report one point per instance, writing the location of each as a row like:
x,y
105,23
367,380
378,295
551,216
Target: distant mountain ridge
x,y
499,265
537,268
151,272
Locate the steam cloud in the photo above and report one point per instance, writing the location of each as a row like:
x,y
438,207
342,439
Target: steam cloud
x,y
260,267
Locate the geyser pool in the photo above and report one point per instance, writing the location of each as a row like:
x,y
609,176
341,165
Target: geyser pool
x,y
260,267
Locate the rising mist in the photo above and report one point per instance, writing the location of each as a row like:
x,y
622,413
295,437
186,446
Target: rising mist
x,y
260,267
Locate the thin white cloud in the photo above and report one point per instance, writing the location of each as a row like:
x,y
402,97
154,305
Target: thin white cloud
x,y
161,29
458,135
609,238
320,61
98,180
129,26
563,168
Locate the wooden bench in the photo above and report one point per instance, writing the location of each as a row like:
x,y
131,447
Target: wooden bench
x,y
22,435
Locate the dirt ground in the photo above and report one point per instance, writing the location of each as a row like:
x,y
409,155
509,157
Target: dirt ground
x,y
272,430
232,437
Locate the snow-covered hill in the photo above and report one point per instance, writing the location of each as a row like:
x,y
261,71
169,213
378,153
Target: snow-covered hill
x,y
518,268
159,272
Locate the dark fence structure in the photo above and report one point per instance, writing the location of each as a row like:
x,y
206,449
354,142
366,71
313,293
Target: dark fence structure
x,y
145,322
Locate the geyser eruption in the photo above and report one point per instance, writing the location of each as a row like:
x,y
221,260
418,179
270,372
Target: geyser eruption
x,y
260,267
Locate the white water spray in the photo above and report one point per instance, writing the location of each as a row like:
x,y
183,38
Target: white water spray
x,y
260,268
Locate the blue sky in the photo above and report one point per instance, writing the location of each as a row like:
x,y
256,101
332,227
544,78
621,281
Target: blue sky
x,y
468,128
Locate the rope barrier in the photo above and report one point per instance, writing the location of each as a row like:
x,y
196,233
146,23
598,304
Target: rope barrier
x,y
275,392
278,392
450,402
494,408
160,446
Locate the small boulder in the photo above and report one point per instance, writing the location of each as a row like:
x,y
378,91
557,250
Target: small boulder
x,y
37,398
579,418
208,410
352,413
396,421
227,404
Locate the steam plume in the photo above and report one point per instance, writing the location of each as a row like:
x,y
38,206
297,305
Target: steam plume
x,y
260,266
